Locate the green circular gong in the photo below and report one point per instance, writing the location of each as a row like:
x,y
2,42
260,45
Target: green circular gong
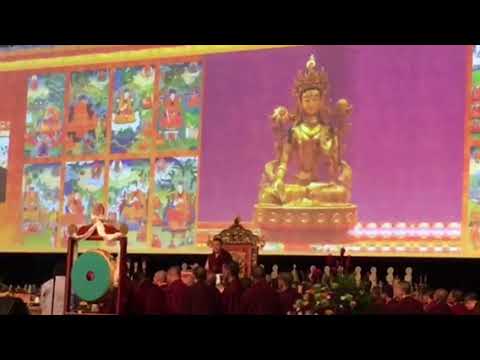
x,y
92,276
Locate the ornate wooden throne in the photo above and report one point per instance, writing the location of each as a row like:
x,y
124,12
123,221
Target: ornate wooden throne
x,y
242,244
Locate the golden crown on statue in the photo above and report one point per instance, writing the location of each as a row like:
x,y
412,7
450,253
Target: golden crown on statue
x,y
311,78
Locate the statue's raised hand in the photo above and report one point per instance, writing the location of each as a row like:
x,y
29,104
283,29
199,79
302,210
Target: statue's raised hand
x,y
280,116
343,108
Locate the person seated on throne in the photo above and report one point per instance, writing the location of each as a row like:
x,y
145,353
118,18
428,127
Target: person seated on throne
x,y
218,258
173,121
82,118
133,207
125,113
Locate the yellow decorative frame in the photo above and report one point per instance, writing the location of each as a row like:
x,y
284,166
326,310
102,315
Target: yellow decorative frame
x,y
129,56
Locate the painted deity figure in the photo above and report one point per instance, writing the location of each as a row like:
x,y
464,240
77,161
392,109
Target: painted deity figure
x,y
172,121
82,118
178,214
51,120
311,141
134,205
125,113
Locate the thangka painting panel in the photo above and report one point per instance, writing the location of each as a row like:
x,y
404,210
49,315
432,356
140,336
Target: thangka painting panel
x,y
85,126
178,124
174,210
128,198
132,110
45,112
41,205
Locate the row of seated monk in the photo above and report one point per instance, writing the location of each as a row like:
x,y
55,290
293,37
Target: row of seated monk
x,y
167,294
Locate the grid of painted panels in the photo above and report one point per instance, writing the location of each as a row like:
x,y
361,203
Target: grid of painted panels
x,y
125,137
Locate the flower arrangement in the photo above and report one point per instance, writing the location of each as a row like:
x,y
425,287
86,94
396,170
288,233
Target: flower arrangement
x,y
334,296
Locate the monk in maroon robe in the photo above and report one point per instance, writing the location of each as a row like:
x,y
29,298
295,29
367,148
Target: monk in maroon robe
x,y
378,303
205,298
109,305
455,301
260,299
471,304
141,288
427,300
439,305
232,293
403,303
287,295
156,303
178,294
218,258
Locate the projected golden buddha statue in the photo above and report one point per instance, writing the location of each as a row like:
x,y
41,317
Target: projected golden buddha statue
x,y
308,185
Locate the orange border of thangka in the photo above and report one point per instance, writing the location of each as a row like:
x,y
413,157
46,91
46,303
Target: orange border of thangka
x,y
466,244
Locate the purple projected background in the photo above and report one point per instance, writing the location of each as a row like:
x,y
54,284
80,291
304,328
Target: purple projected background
x,y
405,145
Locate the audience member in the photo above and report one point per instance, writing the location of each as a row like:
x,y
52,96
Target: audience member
x,y
471,304
387,293
260,299
233,290
205,298
403,303
455,301
439,305
140,292
156,303
178,294
378,301
427,299
287,294
246,283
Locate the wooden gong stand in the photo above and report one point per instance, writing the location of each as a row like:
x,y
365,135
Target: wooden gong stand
x,y
72,255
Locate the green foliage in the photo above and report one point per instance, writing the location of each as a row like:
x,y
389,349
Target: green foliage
x,y
476,78
192,119
55,152
56,86
173,79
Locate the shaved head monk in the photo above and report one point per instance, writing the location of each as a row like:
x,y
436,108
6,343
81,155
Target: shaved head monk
x,y
156,303
232,293
178,294
160,279
287,294
260,299
205,298
439,305
404,303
